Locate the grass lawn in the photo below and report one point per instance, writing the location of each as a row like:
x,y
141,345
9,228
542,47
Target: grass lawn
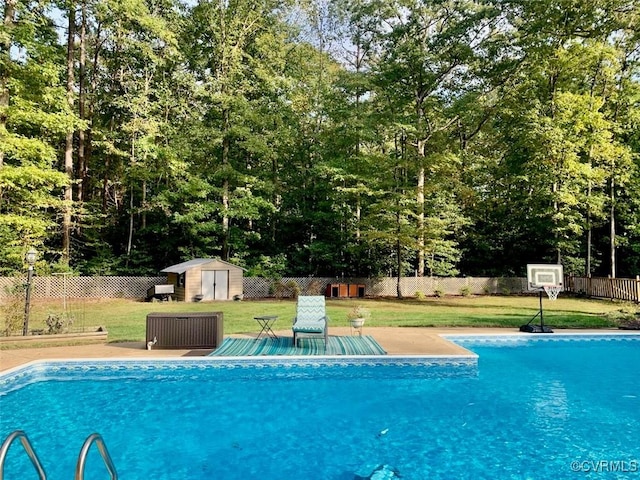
x,y
125,319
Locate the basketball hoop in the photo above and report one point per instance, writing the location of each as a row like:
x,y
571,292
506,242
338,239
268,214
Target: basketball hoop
x,y
550,278
552,291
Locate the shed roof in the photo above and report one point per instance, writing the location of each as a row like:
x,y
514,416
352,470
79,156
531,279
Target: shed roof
x,y
184,266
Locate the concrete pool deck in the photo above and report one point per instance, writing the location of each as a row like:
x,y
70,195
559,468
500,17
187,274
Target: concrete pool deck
x,y
395,341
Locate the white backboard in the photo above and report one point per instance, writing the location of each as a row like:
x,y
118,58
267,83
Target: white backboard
x,y
541,275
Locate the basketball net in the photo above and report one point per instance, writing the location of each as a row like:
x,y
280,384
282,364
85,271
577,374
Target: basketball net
x,y
552,291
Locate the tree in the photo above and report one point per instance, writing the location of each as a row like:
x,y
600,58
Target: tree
x,y
34,116
236,50
424,49
324,137
557,135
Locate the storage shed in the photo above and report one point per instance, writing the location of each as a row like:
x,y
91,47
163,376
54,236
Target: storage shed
x,y
205,279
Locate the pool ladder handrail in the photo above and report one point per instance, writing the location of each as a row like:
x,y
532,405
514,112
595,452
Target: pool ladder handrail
x,y
28,448
104,453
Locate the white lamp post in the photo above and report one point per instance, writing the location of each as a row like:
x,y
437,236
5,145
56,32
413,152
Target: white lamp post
x,y
30,258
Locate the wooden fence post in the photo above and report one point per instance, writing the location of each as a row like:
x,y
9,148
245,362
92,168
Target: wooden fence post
x,y
637,288
610,288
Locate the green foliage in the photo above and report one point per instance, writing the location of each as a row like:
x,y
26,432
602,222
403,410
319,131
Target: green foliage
x,y
57,323
34,118
450,137
12,308
267,267
627,317
280,289
359,311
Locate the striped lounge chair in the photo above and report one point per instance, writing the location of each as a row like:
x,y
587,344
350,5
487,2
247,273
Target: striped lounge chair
x,y
311,319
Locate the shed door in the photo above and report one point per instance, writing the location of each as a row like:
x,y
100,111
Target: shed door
x,y
215,284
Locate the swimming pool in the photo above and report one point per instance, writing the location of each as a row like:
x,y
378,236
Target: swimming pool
x,y
527,407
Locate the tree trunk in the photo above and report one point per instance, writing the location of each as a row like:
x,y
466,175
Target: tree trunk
x,y
5,59
398,177
5,48
130,237
225,187
105,184
420,202
398,260
143,219
556,237
587,272
359,62
612,231
81,173
68,151
92,88
131,201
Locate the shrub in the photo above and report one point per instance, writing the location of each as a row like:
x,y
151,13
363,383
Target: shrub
x,y
13,309
465,291
282,290
315,287
358,311
293,288
57,323
627,317
277,289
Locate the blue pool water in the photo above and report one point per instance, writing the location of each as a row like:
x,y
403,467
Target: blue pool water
x,y
539,408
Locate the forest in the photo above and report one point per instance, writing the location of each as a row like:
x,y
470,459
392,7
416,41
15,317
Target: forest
x,y
353,138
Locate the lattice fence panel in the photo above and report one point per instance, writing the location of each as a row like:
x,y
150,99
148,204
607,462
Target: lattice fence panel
x,y
8,284
256,287
409,286
86,287
309,285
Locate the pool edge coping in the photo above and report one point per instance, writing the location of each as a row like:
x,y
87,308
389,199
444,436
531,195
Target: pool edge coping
x,y
271,359
310,359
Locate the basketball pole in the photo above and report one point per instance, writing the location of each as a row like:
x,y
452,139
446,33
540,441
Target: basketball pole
x,y
543,277
541,314
537,329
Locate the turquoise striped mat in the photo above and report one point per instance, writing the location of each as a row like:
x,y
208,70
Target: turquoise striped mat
x,y
354,345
